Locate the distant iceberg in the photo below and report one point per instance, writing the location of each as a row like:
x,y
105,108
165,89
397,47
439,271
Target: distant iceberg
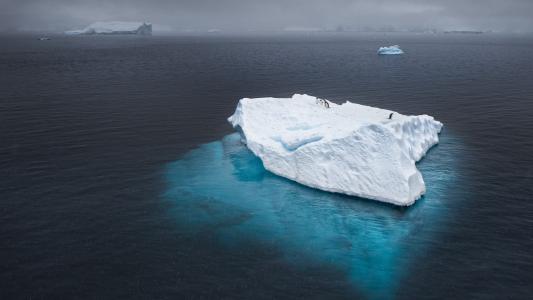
x,y
391,50
350,148
140,28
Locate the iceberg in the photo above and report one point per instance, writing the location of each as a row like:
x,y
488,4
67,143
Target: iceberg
x,y
391,50
140,28
350,148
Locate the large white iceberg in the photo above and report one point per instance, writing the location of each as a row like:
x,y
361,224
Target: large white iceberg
x,y
350,148
391,50
140,28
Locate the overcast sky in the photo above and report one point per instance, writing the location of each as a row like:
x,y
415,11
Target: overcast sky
x,y
500,15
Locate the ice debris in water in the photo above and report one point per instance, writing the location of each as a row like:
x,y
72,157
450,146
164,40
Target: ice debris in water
x,y
391,50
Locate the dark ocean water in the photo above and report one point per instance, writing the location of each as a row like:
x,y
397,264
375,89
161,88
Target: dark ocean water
x,y
120,177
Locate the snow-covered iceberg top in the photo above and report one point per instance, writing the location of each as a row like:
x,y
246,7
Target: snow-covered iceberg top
x,y
350,148
115,28
395,49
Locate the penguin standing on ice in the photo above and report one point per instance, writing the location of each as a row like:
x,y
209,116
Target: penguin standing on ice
x,y
390,116
322,102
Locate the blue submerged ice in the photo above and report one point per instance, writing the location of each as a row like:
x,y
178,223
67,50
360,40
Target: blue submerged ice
x,y
391,50
222,190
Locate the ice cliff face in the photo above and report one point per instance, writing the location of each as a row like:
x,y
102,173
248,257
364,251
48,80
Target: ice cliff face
x,y
391,50
115,28
350,148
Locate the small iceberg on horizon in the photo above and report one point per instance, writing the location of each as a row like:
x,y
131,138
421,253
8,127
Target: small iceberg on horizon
x,y
114,28
350,148
391,50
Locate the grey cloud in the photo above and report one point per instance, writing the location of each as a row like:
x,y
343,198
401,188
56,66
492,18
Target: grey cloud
x,y
273,14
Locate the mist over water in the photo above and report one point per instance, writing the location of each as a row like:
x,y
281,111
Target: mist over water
x,y
244,15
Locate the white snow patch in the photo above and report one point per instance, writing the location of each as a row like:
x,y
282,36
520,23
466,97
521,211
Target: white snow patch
x,y
350,148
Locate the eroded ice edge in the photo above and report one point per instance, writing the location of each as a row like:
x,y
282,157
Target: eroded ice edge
x,y
351,149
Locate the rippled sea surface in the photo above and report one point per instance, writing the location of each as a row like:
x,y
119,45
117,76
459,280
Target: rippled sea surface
x,y
120,177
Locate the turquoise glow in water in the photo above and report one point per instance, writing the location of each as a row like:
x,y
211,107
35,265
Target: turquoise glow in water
x,y
222,188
